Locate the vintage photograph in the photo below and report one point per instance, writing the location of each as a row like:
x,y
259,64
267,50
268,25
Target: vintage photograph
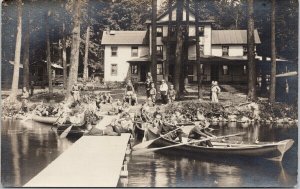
x,y
149,93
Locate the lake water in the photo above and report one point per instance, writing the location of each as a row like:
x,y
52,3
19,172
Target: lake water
x,y
28,148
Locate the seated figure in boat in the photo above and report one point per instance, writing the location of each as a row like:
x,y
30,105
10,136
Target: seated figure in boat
x,y
110,130
109,98
145,112
125,124
168,127
199,132
98,103
157,122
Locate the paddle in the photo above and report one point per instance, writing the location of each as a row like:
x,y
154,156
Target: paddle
x,y
149,142
66,132
180,144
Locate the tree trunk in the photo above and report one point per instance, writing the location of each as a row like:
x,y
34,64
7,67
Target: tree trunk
x,y
273,56
199,77
74,60
15,81
26,55
49,68
168,53
153,42
185,49
64,58
179,45
86,54
251,53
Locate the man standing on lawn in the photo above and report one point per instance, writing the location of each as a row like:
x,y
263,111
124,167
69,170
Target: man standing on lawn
x,y
164,91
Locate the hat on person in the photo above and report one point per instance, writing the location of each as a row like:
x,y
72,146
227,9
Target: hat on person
x,y
162,80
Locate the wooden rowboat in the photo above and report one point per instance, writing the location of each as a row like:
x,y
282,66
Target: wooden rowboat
x,y
44,119
268,150
139,130
76,131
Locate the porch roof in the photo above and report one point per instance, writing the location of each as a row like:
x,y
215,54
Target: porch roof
x,y
218,58
143,59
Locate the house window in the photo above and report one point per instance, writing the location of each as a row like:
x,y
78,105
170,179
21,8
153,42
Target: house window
x,y
114,69
159,51
201,31
114,51
245,51
134,51
225,50
134,69
245,70
225,70
159,69
159,31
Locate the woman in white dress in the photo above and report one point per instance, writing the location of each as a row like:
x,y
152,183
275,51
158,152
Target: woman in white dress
x,y
215,90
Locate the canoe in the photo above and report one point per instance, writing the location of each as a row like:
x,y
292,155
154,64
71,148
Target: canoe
x,y
139,130
269,150
44,119
76,131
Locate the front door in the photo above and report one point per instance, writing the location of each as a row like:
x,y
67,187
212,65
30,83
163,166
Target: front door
x,y
144,70
214,73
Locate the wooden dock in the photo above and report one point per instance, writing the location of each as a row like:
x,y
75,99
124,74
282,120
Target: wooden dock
x,y
92,161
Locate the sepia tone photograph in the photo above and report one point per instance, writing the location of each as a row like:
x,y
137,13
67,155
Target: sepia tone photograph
x,y
149,93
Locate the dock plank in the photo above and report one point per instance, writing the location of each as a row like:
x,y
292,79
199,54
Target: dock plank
x,y
92,161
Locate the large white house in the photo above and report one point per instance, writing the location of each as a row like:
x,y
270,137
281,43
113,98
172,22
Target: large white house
x,y
223,52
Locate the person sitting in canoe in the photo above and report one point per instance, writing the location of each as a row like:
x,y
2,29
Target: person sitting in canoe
x,y
110,130
167,128
125,124
199,132
145,112
98,103
109,98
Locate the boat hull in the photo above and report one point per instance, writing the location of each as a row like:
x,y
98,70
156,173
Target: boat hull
x,y
76,131
44,119
270,151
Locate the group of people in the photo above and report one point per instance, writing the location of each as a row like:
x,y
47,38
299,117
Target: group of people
x,y
167,94
103,98
168,126
117,126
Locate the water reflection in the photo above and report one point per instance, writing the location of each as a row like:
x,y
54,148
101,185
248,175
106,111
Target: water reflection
x,y
177,170
27,148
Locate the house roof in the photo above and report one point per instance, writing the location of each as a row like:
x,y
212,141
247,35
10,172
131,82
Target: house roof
x,y
125,38
232,37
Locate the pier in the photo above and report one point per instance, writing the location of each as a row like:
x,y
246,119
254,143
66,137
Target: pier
x,y
92,161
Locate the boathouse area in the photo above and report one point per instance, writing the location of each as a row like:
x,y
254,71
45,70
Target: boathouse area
x,y
92,161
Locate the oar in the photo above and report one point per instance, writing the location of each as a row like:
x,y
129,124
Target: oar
x,y
149,142
66,132
180,144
